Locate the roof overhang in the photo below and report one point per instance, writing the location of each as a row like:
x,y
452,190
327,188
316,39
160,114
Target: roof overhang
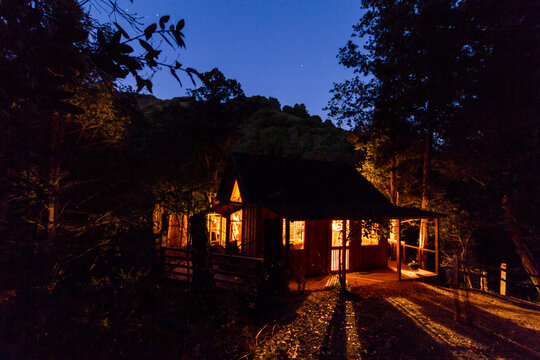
x,y
225,208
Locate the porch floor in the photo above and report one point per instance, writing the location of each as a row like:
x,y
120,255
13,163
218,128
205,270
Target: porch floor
x,y
363,278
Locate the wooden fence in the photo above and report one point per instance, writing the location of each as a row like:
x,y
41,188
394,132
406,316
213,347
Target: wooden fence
x,y
502,280
406,255
230,271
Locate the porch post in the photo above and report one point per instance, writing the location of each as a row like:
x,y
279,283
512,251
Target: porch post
x,y
343,242
437,246
287,242
398,249
343,255
227,232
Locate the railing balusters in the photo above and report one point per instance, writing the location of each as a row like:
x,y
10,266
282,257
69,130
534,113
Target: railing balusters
x,y
229,269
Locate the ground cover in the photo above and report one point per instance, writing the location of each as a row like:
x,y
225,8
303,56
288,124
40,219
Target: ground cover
x,y
407,320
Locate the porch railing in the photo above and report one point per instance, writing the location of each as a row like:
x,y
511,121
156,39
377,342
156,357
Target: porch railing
x,y
228,270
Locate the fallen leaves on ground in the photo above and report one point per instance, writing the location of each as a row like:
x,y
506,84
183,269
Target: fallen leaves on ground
x,y
407,320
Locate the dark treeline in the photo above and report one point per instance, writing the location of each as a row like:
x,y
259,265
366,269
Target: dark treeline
x,y
445,106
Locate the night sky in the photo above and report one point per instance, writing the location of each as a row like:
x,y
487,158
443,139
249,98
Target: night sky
x,y
283,49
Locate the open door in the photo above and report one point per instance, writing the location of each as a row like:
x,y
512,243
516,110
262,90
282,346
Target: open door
x,y
336,246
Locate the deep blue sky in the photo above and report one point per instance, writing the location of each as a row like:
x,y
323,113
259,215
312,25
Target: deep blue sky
x,y
284,49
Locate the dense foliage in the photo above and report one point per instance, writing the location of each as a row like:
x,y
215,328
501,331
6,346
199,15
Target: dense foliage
x,y
75,229
445,100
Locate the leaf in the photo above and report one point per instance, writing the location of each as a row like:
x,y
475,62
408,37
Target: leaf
x,y
122,31
192,70
177,65
148,85
167,40
115,40
125,49
178,37
101,37
191,77
163,20
180,25
146,45
150,30
132,63
175,76
140,83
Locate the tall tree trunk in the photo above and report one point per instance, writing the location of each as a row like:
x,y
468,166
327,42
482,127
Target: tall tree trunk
x,y
426,170
394,200
393,176
53,185
525,254
52,207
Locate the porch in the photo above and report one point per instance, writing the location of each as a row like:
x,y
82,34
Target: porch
x,y
363,278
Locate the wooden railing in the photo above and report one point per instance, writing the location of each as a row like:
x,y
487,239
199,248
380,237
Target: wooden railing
x,y
492,279
417,249
228,270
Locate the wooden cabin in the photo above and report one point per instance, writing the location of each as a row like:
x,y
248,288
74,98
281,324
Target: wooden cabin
x,y
313,198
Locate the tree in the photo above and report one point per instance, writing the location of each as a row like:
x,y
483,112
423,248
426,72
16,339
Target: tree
x,y
40,86
404,82
216,88
457,79
494,137
67,198
296,110
271,132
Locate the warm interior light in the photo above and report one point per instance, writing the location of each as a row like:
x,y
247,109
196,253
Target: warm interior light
x,y
214,228
235,196
337,232
236,226
297,234
370,235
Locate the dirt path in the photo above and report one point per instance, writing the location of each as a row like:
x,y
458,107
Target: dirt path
x,y
407,320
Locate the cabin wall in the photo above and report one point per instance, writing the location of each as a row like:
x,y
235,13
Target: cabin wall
x,y
252,235
317,247
365,257
314,259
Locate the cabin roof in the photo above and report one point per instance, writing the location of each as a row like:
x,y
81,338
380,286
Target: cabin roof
x,y
308,189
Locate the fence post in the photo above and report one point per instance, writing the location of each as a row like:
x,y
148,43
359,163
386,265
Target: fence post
x,y
503,279
456,271
483,281
455,282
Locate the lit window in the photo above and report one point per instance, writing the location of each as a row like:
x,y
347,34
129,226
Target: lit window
x,y
215,224
393,230
337,232
297,235
235,196
370,234
236,227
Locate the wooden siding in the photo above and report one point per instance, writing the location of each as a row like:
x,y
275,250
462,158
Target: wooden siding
x,y
364,257
317,247
314,259
252,241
